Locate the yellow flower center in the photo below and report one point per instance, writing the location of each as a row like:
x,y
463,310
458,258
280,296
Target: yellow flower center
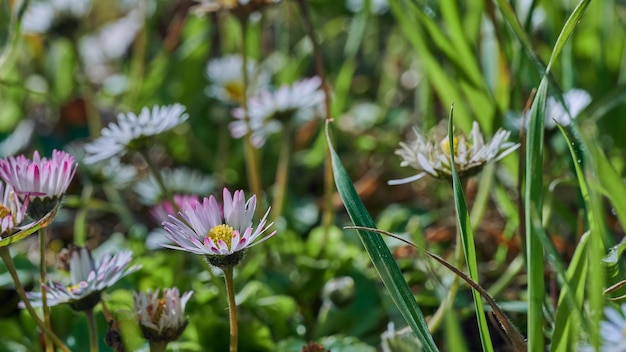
x,y
155,311
445,145
234,90
73,288
4,211
221,232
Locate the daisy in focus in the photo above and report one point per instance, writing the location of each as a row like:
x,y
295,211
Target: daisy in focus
x,y
432,156
161,212
161,317
222,237
226,79
133,132
88,279
270,111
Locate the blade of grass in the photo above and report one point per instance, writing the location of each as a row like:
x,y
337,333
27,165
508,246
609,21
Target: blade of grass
x,y
505,323
380,255
467,237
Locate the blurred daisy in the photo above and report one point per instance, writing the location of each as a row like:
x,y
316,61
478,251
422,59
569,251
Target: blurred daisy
x,y
221,238
88,279
39,178
377,7
132,132
62,15
432,156
110,171
613,330
239,8
226,78
109,43
576,101
12,211
18,139
178,181
162,319
161,212
269,110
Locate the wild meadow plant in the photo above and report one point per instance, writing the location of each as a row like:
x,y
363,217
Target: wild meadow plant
x,y
484,140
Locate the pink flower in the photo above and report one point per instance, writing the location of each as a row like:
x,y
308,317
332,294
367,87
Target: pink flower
x,y
39,177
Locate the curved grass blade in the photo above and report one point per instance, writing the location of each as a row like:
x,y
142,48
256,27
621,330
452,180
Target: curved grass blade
x,y
380,255
467,237
516,339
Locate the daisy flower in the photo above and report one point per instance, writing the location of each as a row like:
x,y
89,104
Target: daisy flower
x,y
576,101
161,317
613,330
239,8
161,212
88,279
39,178
269,110
12,212
132,131
110,171
221,238
63,15
178,181
226,77
432,156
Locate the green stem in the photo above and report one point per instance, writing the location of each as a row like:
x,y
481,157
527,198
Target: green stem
x,y
282,174
252,162
232,307
8,262
459,260
158,346
93,330
80,222
119,205
328,215
157,176
44,278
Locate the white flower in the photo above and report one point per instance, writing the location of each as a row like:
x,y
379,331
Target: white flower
x,y
226,78
576,101
162,319
110,171
377,7
613,330
41,16
88,279
269,109
18,139
178,181
115,139
110,43
432,156
204,230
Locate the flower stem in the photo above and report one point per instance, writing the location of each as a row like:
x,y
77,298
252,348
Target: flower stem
x,y
8,262
158,346
44,278
329,181
251,156
80,222
157,176
282,174
93,330
232,307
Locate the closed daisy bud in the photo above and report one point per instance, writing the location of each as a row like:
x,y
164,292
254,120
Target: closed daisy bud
x,y
161,317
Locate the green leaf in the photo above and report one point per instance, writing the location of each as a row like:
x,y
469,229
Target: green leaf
x,y
380,255
467,237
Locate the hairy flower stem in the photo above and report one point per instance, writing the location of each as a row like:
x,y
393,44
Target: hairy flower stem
x,y
43,274
329,181
232,307
80,222
8,262
93,330
251,156
282,174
